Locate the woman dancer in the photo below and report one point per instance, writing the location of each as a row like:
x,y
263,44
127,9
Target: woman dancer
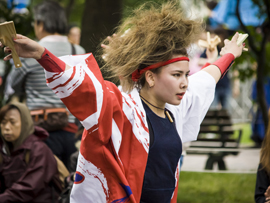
x,y
133,136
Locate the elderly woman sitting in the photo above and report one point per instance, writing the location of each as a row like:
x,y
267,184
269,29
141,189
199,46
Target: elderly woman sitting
x,y
28,169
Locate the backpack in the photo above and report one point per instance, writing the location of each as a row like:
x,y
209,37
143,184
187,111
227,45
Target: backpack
x,y
57,183
63,172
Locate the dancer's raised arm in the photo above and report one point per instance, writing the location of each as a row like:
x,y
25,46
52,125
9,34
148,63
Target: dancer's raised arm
x,y
27,48
229,52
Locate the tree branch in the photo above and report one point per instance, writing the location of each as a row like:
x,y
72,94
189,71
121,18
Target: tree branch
x,y
261,63
69,8
261,59
250,38
267,4
264,41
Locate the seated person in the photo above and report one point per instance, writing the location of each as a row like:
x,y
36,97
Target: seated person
x,y
25,178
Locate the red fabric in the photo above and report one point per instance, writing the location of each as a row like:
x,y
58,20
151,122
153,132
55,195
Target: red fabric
x,y
174,197
137,74
85,98
51,63
224,63
205,65
121,168
115,141
71,127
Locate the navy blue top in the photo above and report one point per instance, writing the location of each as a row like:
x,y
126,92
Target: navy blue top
x,y
164,154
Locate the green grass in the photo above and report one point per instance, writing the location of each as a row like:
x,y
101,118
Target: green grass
x,y
246,132
197,187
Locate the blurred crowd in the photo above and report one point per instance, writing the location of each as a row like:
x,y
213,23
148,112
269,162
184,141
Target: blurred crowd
x,y
29,151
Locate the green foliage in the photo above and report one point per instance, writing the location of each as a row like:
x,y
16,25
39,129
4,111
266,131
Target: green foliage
x,y
261,6
267,61
22,22
76,11
249,59
23,26
216,187
244,66
129,5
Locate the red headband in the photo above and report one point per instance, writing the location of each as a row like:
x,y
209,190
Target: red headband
x,y
137,73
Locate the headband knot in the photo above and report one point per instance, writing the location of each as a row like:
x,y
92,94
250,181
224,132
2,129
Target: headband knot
x,y
136,75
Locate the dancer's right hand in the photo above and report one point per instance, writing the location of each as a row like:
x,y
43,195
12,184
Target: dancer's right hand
x,y
25,48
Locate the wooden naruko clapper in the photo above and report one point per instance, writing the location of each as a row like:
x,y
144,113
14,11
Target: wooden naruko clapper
x,y
7,33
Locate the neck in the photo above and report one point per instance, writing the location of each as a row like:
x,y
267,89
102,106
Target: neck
x,y
45,34
157,107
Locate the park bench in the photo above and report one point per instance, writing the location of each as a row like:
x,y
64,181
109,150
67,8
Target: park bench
x,y
217,138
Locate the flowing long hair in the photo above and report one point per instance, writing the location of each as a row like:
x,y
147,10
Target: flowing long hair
x,y
152,34
265,150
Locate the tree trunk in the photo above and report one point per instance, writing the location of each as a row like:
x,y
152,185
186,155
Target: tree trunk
x,y
99,19
260,56
69,8
260,89
260,82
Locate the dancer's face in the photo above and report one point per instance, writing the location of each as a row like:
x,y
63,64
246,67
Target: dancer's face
x,y
171,82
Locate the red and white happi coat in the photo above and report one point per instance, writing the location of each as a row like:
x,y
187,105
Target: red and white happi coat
x,y
115,143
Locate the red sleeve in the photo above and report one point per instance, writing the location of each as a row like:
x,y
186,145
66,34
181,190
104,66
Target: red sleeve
x,y
88,96
205,65
224,63
51,63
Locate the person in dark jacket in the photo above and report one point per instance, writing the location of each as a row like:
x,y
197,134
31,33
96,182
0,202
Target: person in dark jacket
x,y
28,169
262,189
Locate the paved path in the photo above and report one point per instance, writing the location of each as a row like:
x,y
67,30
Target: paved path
x,y
245,162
